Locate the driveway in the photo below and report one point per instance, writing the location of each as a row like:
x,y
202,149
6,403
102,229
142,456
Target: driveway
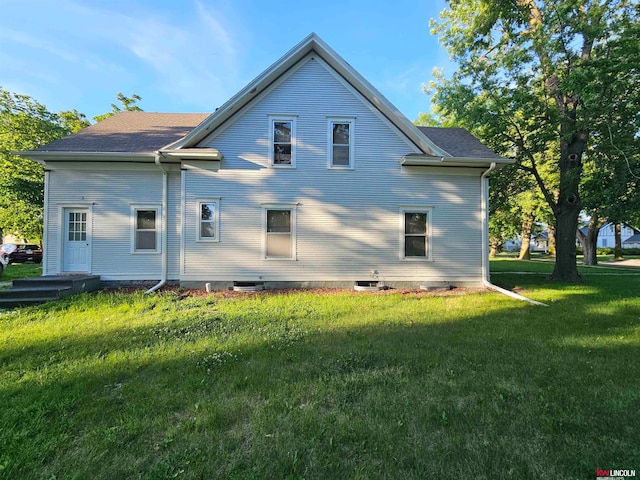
x,y
631,262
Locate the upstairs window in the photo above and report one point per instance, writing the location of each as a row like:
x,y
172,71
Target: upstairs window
x,y
283,142
341,143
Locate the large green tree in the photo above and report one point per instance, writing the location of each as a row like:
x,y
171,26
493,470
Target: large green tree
x,y
542,76
26,124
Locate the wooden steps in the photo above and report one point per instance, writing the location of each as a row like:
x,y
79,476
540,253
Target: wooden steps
x,y
32,291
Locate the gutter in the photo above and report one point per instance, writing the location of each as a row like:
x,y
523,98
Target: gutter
x,y
165,242
484,185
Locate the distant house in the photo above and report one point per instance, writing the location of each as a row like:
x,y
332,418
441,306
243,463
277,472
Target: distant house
x,y
632,242
307,176
607,235
539,242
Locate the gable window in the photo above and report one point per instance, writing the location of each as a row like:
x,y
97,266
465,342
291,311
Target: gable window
x,y
279,231
282,151
208,220
341,142
146,229
415,233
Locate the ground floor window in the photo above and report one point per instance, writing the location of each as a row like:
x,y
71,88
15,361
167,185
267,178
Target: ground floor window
x,y
415,233
279,232
208,220
146,229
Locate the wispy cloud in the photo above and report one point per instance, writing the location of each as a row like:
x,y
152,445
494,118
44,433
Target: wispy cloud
x,y
192,59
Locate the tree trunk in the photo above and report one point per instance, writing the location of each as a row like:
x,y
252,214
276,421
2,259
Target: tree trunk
x,y
527,223
495,247
568,206
590,242
552,240
618,248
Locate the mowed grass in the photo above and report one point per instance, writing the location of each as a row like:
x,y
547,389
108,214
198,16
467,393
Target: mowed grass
x,y
20,270
303,385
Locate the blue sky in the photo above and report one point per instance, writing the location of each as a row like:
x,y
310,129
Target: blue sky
x,y
193,55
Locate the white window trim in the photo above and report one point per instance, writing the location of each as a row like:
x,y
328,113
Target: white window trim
x,y
352,130
216,219
417,209
282,118
279,206
158,210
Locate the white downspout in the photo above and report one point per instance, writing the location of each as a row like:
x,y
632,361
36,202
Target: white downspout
x,y
164,235
484,181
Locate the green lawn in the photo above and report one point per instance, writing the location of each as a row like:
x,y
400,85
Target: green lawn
x,y
21,270
336,386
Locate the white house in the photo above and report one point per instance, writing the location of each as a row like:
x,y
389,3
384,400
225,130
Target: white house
x,y
607,235
307,176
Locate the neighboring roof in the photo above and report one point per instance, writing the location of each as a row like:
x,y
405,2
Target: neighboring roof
x,y
633,239
131,132
458,142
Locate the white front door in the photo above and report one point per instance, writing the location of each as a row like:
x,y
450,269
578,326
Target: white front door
x,y
77,242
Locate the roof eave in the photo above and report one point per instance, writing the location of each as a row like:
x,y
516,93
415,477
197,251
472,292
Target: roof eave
x,y
48,156
432,161
193,154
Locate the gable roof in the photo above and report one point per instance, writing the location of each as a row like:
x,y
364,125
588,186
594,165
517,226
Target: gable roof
x,y
131,132
140,135
311,44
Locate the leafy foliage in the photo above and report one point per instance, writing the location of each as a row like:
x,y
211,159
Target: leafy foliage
x,y
26,124
128,104
543,81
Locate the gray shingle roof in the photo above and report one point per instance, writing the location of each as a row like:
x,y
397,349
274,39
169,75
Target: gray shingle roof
x,y
458,142
633,239
135,132
129,132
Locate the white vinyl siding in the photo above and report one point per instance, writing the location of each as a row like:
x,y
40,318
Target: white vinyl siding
x,y
346,221
110,191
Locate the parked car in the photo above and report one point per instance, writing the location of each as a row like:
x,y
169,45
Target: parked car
x,y
3,263
21,252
